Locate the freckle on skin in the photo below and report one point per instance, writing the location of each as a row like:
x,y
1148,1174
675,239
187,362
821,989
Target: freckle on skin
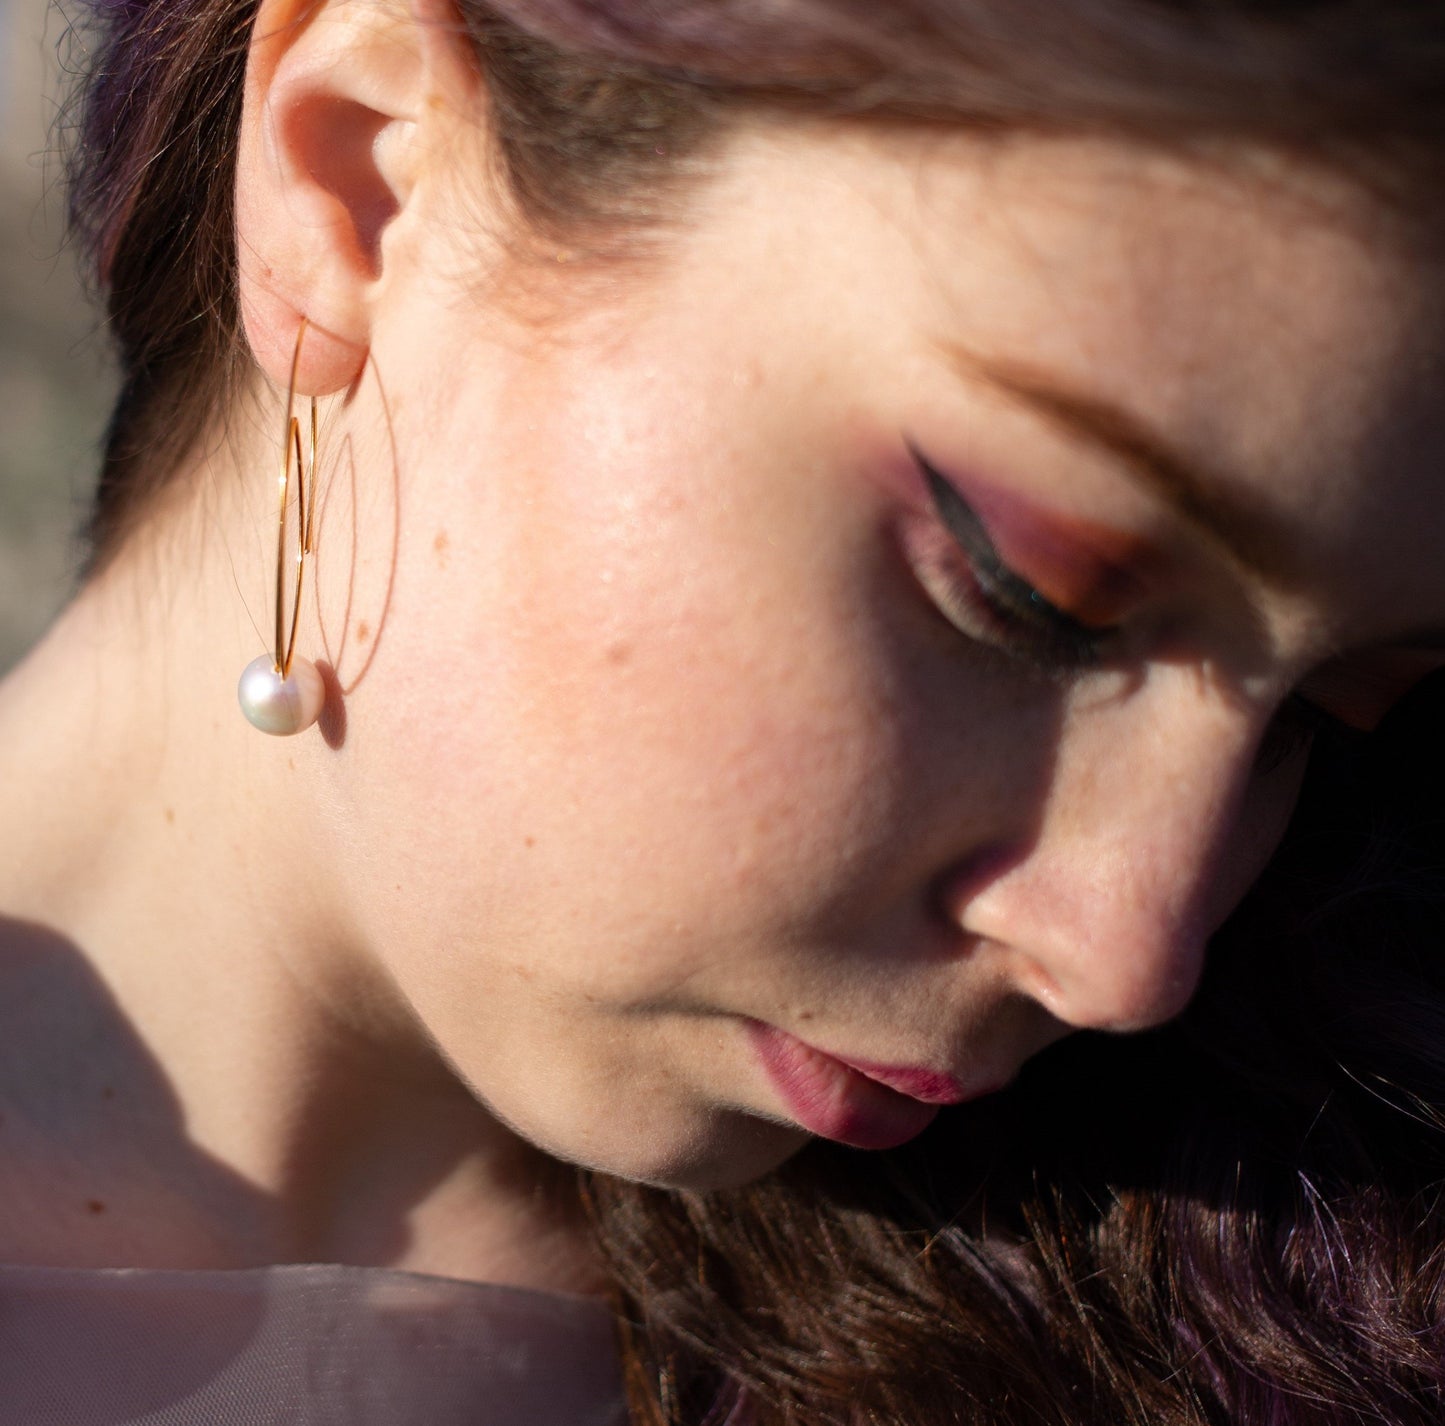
x,y
529,841
619,653
94,1205
440,546
171,815
107,1093
363,632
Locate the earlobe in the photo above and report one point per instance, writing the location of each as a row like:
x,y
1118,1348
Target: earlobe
x,y
325,163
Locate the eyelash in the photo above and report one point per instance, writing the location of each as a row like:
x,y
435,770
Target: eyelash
x,y
989,602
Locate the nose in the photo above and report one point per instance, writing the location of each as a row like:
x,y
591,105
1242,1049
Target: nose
x,y
1151,826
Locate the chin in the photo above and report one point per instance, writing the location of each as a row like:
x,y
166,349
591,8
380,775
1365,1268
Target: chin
x,y
732,1149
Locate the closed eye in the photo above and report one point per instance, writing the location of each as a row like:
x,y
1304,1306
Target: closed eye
x,y
987,600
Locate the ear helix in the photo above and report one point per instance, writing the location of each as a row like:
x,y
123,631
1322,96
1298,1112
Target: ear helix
x,y
278,692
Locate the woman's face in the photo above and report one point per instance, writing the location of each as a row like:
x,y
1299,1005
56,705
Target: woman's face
x,y
869,631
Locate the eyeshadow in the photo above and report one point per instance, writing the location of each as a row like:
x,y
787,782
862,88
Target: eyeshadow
x,y
1094,572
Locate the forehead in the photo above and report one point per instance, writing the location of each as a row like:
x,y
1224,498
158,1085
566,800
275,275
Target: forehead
x,y
1270,319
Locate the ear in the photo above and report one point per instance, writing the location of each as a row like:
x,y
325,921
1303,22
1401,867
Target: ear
x,y
340,103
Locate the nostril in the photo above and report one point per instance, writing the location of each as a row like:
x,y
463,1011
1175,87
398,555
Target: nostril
x,y
1125,992
1104,933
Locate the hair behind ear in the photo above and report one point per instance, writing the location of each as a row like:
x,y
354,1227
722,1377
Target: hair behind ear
x,y
151,173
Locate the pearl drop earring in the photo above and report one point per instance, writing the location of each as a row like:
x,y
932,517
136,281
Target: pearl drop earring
x,y
278,692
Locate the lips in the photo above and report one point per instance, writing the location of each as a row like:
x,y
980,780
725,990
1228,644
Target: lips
x,y
854,1102
929,1086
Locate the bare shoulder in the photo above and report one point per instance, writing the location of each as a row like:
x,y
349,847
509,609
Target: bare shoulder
x,y
54,1092
96,1168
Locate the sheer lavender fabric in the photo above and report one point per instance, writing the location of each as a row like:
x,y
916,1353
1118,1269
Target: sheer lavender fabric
x,y
298,1346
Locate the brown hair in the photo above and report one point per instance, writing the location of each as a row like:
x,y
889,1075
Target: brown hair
x,y
596,107
1231,1220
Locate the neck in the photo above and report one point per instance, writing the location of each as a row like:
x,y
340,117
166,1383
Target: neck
x,y
204,1065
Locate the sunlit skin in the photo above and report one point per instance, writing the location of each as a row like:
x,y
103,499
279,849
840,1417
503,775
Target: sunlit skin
x,y
668,700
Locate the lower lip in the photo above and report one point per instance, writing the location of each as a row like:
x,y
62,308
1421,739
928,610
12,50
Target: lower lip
x,y
834,1101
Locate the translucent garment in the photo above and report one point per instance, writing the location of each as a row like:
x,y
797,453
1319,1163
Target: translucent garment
x,y
298,1346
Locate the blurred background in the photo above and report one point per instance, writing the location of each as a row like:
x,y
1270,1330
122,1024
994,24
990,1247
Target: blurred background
x,y
54,382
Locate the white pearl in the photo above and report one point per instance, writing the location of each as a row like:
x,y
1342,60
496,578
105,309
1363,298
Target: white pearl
x,y
277,705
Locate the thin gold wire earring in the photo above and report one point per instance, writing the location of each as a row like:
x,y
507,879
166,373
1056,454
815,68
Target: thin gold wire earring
x,y
280,693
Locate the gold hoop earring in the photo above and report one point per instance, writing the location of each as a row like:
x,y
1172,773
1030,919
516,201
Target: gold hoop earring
x,y
278,692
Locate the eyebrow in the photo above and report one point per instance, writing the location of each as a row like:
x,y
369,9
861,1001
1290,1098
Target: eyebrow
x,y
1248,531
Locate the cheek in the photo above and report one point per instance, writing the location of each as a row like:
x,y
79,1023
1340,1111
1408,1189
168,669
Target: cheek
x,y
680,740
712,736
